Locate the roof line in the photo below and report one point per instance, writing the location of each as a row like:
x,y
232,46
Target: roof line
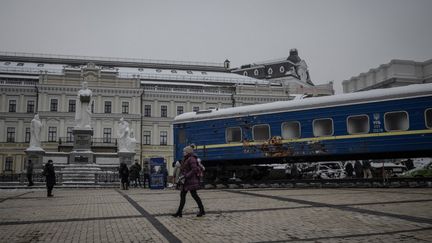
x,y
110,61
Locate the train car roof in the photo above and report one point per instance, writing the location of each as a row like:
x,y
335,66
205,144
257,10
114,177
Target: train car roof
x,y
376,95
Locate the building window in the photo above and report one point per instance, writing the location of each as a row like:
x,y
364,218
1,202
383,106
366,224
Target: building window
x,y
54,105
180,110
72,105
20,64
8,164
12,105
428,118
195,109
245,73
107,135
69,135
107,106
203,73
27,135
30,106
270,71
358,124
52,134
189,72
281,69
256,72
323,127
10,136
163,137
40,65
291,130
261,132
147,110
146,137
233,135
164,111
125,107
173,71
396,121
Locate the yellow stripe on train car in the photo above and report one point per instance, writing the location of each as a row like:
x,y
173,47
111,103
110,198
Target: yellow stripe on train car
x,y
297,140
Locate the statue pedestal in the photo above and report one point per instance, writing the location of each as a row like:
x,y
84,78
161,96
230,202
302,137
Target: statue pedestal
x,y
36,156
81,153
126,157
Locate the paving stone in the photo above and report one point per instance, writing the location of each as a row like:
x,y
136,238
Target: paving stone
x,y
233,215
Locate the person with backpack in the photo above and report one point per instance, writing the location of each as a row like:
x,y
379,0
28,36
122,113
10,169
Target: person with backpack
x,y
190,181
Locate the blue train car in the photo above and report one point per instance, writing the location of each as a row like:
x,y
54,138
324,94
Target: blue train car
x,y
382,123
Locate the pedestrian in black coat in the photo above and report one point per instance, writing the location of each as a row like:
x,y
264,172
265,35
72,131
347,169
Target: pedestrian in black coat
x,y
29,173
349,169
49,174
358,169
124,176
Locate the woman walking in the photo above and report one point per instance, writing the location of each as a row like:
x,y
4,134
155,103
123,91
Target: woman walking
x,y
189,171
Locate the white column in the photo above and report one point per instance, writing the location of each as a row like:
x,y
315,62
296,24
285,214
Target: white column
x,y
20,131
21,102
155,135
3,106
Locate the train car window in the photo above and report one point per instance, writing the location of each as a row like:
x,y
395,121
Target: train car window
x,y
182,136
396,121
261,132
428,118
233,135
323,127
358,124
291,130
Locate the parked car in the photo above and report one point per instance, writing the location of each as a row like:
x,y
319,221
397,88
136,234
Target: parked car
x,y
423,171
390,169
324,170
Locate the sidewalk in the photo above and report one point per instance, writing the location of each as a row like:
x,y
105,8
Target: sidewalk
x,y
255,215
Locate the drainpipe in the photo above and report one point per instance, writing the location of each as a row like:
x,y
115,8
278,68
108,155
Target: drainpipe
x,y
141,126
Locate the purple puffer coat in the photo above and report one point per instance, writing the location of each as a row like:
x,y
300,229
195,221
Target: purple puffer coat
x,y
189,169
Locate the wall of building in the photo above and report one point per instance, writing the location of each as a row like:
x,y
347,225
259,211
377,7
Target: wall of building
x,y
396,73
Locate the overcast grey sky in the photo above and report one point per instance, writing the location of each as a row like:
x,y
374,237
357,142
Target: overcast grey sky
x,y
337,38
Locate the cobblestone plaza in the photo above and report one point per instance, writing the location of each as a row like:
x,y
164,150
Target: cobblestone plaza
x,y
248,215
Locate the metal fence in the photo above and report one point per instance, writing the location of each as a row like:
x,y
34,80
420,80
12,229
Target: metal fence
x,y
21,178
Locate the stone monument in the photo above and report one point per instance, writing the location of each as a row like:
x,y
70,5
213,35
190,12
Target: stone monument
x,y
126,143
34,152
82,132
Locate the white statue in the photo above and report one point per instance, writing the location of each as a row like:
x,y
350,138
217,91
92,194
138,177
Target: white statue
x,y
35,133
131,141
123,135
83,110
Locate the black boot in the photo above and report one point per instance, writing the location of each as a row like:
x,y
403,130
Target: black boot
x,y
177,215
201,213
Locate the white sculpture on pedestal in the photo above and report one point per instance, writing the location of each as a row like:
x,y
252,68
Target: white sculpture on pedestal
x,y
126,139
35,133
131,141
83,111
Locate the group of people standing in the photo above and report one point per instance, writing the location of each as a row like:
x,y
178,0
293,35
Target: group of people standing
x,y
359,170
133,174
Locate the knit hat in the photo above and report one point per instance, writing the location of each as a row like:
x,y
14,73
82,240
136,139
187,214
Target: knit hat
x,y
188,150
